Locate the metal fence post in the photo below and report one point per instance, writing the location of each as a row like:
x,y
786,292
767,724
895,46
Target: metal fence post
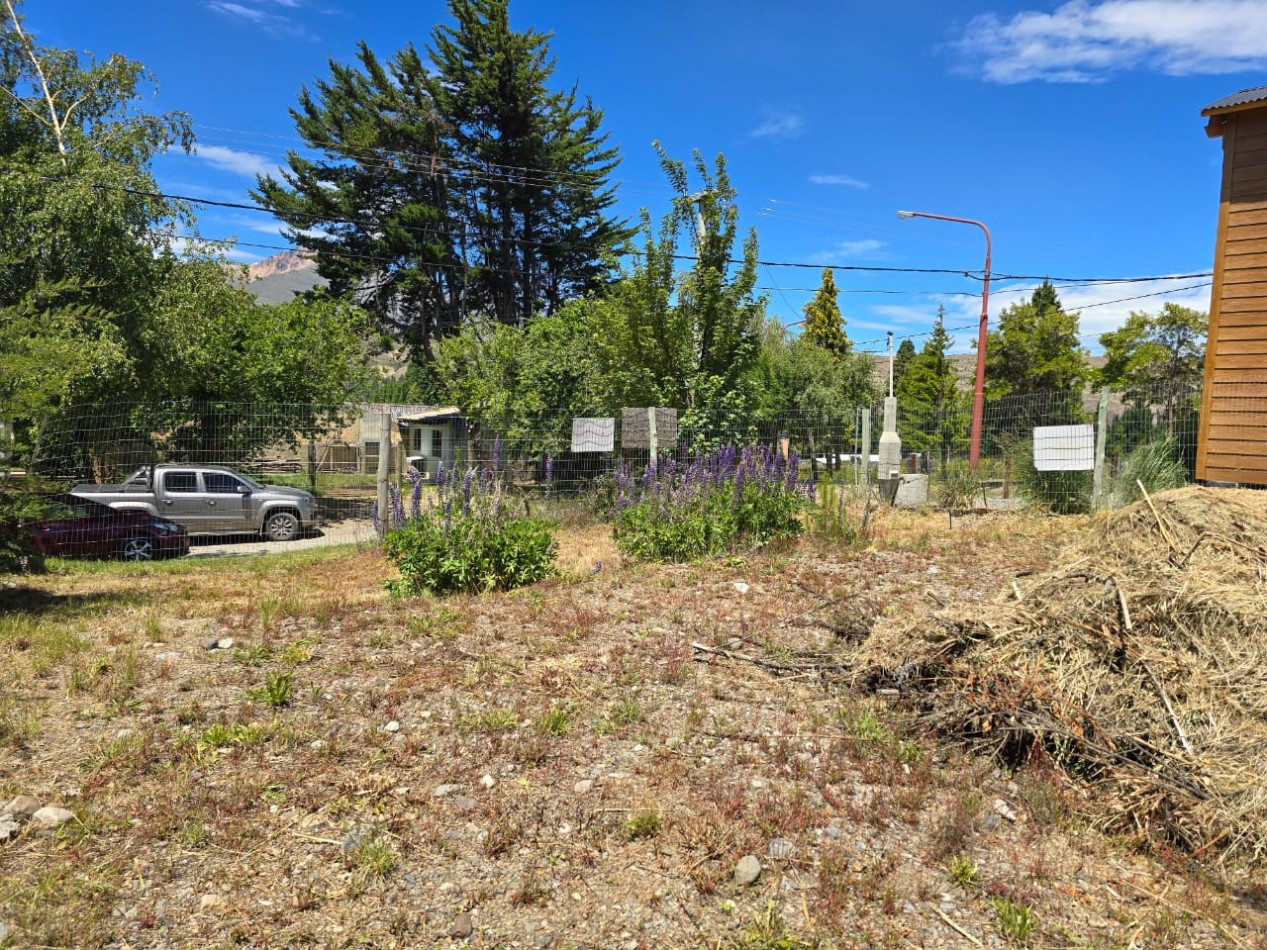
x,y
384,467
1101,436
866,448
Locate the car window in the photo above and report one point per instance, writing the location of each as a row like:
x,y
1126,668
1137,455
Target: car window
x,y
180,481
222,483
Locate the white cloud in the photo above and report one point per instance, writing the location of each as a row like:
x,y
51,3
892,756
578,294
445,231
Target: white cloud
x,y
847,251
239,163
779,126
1082,41
837,180
251,13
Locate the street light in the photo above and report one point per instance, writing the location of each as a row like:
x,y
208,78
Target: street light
x,y
978,400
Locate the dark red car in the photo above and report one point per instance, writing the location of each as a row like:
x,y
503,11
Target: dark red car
x,y
66,525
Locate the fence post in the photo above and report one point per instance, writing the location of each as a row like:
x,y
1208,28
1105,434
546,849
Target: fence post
x,y
652,441
1101,436
384,466
866,448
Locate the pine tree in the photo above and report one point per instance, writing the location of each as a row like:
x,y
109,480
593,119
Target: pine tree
x,y
902,359
933,417
1036,348
824,325
466,187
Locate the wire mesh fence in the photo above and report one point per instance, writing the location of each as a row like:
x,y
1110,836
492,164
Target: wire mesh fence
x,y
1061,451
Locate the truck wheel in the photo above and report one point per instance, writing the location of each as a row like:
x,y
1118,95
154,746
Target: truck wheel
x,y
281,526
139,548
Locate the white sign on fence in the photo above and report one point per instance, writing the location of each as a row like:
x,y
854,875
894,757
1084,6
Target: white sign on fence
x,y
593,435
1064,448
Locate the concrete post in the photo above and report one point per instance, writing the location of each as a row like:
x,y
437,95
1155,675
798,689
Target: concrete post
x,y
384,468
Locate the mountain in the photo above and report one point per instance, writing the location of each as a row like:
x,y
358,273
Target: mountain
x,y
278,278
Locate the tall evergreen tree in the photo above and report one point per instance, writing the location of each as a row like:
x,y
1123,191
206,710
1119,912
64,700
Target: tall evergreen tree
x,y
933,417
902,359
464,187
1036,348
824,325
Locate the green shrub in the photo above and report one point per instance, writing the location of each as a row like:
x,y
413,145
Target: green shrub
x,y
715,504
1158,464
469,554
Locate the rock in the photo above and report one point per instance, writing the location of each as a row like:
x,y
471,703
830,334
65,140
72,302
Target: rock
x,y
779,848
462,926
465,803
22,807
352,840
1003,808
8,828
584,786
170,656
6,932
544,941
211,643
52,817
488,781
392,726
211,902
747,870
443,790
741,587
224,643
990,821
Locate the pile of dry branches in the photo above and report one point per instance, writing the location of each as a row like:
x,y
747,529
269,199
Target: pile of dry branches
x,y
1139,665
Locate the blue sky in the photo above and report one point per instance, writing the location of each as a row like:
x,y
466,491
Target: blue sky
x,y
1072,129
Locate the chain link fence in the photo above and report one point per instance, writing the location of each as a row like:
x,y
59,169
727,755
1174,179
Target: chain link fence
x,y
1060,451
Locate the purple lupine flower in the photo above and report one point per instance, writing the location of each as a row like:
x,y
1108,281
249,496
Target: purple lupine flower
x,y
415,494
466,491
374,514
397,507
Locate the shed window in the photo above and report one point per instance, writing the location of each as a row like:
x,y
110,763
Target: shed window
x,y
437,443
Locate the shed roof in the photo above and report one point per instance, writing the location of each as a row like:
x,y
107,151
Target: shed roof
x,y
1237,101
432,414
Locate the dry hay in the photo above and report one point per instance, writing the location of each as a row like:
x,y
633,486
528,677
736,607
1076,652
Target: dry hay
x,y
1139,665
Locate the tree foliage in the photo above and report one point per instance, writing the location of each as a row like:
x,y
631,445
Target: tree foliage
x,y
824,325
933,416
457,186
1157,358
1035,349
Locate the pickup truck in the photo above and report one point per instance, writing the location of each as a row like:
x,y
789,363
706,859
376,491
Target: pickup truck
x,y
209,499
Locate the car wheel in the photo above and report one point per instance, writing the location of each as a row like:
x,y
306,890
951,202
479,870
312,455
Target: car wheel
x,y
139,548
281,526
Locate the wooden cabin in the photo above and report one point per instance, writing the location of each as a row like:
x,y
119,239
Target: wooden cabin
x,y
1232,445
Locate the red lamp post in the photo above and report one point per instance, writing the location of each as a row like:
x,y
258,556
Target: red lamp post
x,y
978,400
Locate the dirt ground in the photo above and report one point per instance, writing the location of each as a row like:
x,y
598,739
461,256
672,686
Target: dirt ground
x,y
268,751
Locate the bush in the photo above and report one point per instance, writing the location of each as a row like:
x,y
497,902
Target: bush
x,y
714,504
466,542
1158,464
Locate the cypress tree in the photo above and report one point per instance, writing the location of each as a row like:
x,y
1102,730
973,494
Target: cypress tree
x,y
824,325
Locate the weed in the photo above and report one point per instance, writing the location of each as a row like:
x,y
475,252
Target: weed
x,y
252,656
625,713
277,692
1015,922
642,824
768,932
375,857
963,872
555,721
298,651
221,736
497,719
17,727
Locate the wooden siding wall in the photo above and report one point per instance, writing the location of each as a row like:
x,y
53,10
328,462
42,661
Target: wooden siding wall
x,y
1233,439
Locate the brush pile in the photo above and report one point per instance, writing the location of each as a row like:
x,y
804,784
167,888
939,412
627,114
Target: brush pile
x,y
1138,665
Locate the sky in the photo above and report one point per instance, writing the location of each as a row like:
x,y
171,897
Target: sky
x,y
1072,130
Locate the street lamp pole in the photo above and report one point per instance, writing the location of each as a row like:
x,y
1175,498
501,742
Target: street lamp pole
x,y
978,400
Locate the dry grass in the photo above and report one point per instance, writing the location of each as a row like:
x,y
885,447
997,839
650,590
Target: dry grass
x,y
601,781
1138,664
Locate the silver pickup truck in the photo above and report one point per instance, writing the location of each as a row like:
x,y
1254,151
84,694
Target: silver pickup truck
x,y
210,499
